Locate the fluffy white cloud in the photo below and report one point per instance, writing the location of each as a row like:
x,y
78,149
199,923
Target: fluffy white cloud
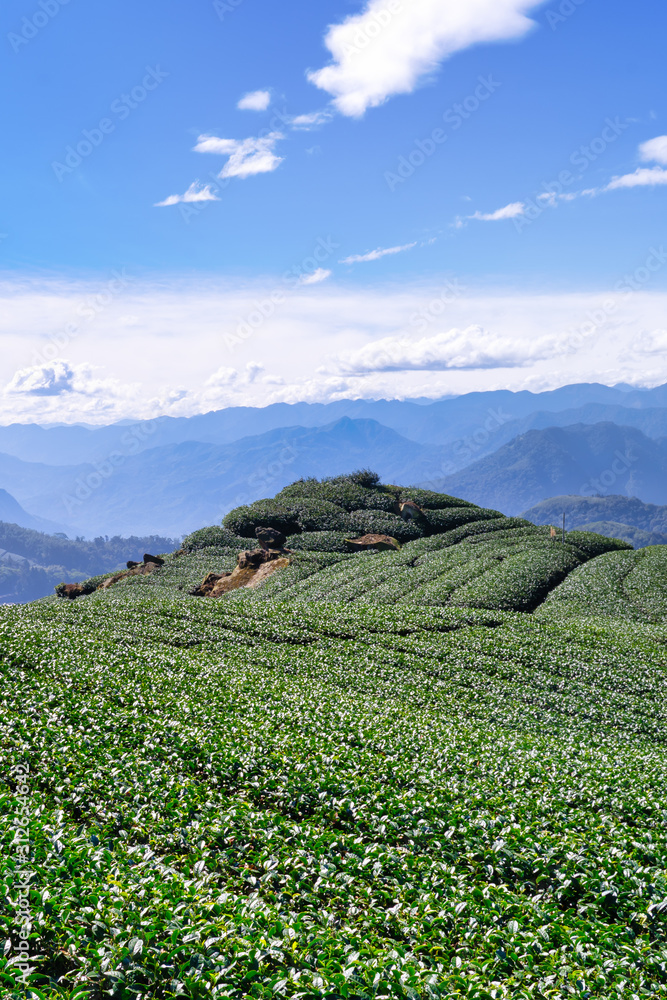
x,y
43,380
196,192
655,150
59,378
116,371
246,156
652,151
508,212
454,349
376,254
651,343
305,123
392,45
318,276
642,177
257,100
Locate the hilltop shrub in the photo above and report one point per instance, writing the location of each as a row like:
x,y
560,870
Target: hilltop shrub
x,y
380,522
362,477
213,537
594,545
318,541
444,520
428,500
289,516
349,496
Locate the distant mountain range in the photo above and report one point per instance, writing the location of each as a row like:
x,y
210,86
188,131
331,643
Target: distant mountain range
x,y
172,475
12,512
177,488
628,518
582,460
473,424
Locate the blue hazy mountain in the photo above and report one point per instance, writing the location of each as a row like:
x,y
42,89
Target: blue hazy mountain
x,y
177,488
584,460
472,425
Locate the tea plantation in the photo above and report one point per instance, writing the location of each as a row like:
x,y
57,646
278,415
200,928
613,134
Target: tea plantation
x,y
439,772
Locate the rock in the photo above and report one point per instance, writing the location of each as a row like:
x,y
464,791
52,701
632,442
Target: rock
x,y
409,511
379,542
132,565
70,591
208,584
153,559
270,538
253,567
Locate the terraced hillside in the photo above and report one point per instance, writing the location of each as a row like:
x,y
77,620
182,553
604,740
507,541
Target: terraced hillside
x,y
348,783
627,585
454,554
325,801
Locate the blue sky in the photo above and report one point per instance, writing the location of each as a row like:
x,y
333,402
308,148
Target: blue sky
x,y
437,127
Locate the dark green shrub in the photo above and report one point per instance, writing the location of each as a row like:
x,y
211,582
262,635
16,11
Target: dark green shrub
x,y
428,500
349,496
440,521
381,522
213,537
318,541
362,477
266,514
594,545
291,516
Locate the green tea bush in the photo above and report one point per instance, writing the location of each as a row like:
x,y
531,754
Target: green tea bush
x,y
428,500
290,516
214,537
440,521
594,545
365,478
350,496
319,541
380,522
322,800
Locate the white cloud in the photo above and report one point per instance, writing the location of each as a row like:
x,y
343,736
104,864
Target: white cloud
x,y
246,156
256,100
196,192
655,150
310,121
376,254
392,45
642,177
115,372
59,378
508,212
473,348
654,342
43,380
321,274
